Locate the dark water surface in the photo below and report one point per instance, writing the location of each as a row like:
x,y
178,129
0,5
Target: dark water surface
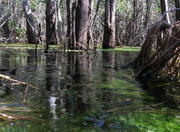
x,y
82,92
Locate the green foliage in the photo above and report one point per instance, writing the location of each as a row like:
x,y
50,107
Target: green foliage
x,y
20,32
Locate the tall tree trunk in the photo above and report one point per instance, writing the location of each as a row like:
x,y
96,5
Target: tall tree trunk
x,y
82,22
177,4
59,23
74,6
68,33
148,10
165,7
31,33
109,24
93,22
50,24
89,34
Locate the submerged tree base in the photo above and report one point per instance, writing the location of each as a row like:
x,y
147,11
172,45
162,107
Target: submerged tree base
x,y
160,53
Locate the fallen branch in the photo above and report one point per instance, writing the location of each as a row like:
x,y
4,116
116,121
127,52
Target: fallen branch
x,y
9,117
16,81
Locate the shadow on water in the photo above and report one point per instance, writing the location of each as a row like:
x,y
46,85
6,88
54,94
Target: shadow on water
x,y
165,90
84,92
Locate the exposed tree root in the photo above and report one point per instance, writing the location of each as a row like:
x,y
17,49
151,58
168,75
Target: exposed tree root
x,y
160,52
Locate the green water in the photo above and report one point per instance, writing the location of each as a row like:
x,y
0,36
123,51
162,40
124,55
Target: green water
x,y
83,92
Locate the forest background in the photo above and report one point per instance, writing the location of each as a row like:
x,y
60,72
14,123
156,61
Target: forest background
x,y
80,24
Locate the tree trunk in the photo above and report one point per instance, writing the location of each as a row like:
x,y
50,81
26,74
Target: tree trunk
x,y
59,23
109,24
177,5
82,22
160,57
148,11
165,7
50,24
31,33
73,45
68,33
89,34
93,22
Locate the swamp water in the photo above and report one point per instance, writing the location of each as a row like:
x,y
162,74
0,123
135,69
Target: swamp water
x,y
81,92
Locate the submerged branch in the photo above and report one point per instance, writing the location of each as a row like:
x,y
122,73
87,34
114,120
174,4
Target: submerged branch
x,y
10,117
134,107
16,81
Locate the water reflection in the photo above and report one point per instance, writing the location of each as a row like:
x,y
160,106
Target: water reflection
x,y
79,77
79,90
52,103
53,80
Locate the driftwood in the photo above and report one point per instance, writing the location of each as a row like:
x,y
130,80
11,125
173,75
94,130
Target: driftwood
x,y
160,52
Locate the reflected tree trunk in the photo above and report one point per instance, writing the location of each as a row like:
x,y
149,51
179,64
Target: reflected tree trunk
x,y
52,85
109,24
108,64
78,70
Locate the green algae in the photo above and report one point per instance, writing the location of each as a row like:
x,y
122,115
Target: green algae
x,y
117,49
42,46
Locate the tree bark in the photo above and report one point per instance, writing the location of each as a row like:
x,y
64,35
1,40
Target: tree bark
x,y
31,33
89,34
82,22
68,33
51,37
59,23
93,22
73,45
160,57
177,5
109,24
165,7
148,11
